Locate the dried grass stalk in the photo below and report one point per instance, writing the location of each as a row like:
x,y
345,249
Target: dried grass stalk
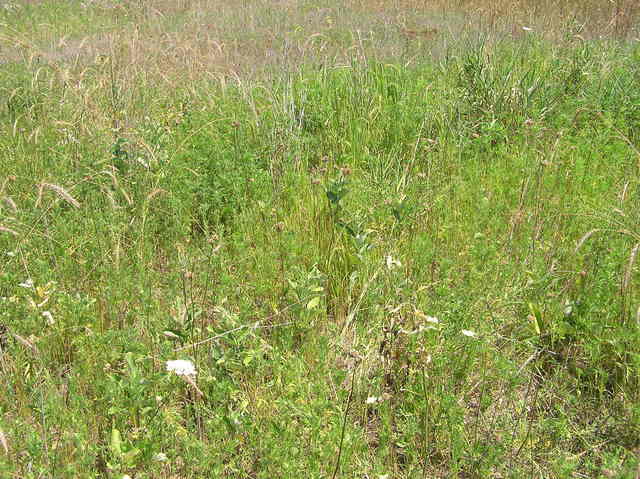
x,y
154,193
110,197
61,192
4,442
632,260
26,343
114,179
8,230
126,196
193,384
10,204
585,238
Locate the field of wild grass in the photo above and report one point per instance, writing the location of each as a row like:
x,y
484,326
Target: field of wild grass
x,y
349,238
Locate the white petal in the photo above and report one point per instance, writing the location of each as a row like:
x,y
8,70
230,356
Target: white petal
x,y
48,316
392,263
181,367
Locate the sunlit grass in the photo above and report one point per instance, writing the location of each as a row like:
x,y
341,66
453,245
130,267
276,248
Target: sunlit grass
x,y
304,239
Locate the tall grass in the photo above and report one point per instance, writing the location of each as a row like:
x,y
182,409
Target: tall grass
x,y
394,241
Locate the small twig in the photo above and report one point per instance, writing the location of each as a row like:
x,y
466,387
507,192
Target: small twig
x,y
344,422
193,384
526,363
212,338
255,325
425,437
529,426
356,307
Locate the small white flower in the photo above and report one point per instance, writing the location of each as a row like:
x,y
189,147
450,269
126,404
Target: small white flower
x,y
160,457
372,400
181,367
392,263
27,284
126,476
428,319
48,316
468,333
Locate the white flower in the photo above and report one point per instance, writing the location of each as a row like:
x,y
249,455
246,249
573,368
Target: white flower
x,y
47,315
372,400
181,367
468,333
392,263
428,319
160,457
27,284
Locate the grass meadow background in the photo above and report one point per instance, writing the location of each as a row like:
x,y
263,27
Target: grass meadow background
x,y
396,239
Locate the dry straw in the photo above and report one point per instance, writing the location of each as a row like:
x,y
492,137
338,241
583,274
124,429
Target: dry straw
x,y
26,343
60,191
8,230
155,193
10,204
585,238
632,260
3,441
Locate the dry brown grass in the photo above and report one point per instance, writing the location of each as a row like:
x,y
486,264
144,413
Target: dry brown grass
x,y
178,41
167,45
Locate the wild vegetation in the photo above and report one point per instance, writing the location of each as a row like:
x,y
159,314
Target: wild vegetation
x,y
350,239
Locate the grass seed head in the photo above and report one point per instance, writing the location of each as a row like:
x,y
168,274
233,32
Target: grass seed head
x,y
61,192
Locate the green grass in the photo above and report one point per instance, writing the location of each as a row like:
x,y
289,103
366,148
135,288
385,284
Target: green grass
x,y
295,235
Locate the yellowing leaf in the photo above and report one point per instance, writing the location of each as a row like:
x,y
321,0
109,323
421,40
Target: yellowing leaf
x,y
313,303
116,442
